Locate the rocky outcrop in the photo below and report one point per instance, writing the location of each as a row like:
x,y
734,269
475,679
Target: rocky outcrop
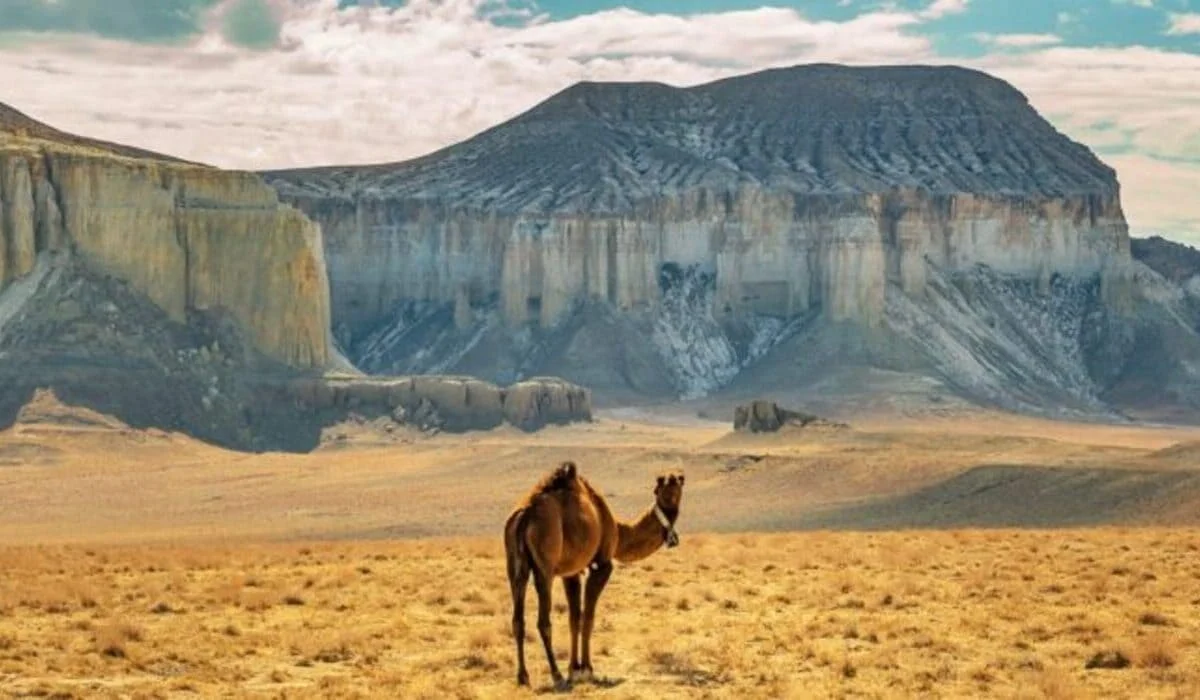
x,y
187,236
762,416
448,403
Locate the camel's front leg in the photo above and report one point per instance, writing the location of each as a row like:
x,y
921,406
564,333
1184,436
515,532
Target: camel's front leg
x,y
542,583
574,589
596,581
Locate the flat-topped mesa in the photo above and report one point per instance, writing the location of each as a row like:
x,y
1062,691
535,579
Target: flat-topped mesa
x,y
187,236
807,188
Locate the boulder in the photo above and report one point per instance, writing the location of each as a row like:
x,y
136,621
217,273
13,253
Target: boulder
x,y
464,403
542,401
762,416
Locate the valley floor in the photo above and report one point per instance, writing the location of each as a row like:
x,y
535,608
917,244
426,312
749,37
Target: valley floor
x,y
146,564
67,475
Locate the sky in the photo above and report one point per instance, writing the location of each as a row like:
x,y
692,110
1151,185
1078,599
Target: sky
x,y
260,84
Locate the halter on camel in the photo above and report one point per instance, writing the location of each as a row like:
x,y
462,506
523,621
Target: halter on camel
x,y
670,536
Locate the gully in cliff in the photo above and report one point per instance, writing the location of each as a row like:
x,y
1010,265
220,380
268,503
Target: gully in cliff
x,y
563,529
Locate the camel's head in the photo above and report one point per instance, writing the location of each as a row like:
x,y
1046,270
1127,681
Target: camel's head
x,y
668,493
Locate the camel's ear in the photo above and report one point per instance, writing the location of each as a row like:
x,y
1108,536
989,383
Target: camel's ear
x,y
568,469
681,479
662,480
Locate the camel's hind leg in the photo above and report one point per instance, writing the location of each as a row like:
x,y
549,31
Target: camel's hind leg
x,y
518,580
574,590
541,582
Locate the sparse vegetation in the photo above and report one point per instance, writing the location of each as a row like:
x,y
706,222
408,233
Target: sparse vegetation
x,y
971,619
1114,659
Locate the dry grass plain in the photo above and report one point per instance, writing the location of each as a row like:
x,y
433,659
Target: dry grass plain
x,y
145,564
1006,614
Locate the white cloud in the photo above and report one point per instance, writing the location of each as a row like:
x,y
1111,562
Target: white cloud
x,y
376,85
941,8
1184,23
1018,41
1137,3
1151,191
1147,100
1147,92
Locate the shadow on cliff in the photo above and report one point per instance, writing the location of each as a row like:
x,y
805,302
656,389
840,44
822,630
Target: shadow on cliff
x,y
280,412
156,404
99,345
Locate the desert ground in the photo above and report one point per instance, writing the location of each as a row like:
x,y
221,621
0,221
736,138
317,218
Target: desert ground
x,y
992,556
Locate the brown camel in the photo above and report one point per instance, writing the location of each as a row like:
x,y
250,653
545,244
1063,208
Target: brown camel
x,y
564,527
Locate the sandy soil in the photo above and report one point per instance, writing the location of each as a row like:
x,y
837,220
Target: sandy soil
x,y
68,475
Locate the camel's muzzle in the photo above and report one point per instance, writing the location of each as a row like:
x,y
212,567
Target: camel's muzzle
x,y
672,538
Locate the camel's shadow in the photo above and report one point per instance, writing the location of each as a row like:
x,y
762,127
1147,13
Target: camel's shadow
x,y
599,682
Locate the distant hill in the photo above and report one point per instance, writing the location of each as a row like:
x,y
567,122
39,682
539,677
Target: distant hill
x,y
1175,261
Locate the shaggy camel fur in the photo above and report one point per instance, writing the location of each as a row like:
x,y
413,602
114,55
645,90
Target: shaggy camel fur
x,y
564,528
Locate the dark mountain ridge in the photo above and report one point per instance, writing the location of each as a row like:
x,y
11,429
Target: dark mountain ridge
x,y
819,129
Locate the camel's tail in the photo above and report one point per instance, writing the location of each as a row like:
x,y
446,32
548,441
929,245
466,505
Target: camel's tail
x,y
515,549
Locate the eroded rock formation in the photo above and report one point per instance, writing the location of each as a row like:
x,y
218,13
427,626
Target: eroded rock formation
x,y
179,296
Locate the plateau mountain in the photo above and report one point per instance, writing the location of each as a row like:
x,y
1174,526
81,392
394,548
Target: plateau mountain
x,y
802,230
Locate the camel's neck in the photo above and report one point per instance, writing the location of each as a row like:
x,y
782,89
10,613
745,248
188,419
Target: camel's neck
x,y
641,538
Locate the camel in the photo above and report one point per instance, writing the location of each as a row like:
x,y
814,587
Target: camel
x,y
564,527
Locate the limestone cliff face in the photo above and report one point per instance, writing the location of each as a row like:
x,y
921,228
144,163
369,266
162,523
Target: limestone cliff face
x,y
771,253
187,236
813,189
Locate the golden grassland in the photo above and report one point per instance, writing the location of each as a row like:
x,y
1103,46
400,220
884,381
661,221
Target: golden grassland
x,y
1009,614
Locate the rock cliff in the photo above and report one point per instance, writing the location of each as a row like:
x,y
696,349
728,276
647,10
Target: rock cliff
x,y
180,296
664,240
189,237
